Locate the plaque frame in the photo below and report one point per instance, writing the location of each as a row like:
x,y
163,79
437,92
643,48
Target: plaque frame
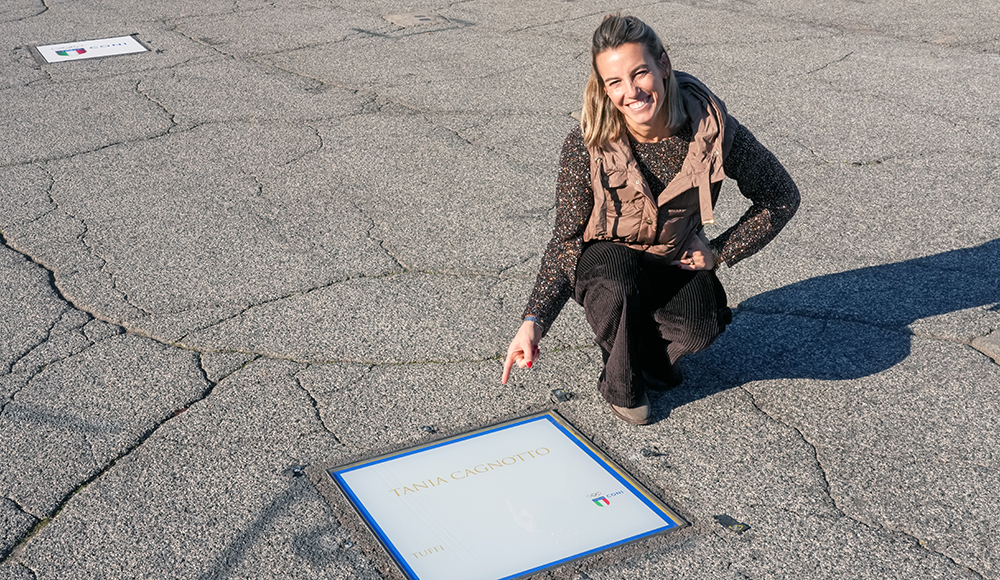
x,y
332,477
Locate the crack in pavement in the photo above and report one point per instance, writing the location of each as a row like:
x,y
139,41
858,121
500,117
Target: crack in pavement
x,y
50,277
800,143
30,570
26,353
45,8
176,29
827,489
753,10
39,368
104,270
322,83
144,139
48,193
213,384
54,286
317,149
313,401
381,243
82,238
831,63
823,318
22,509
500,154
43,160
130,74
53,283
139,442
529,258
171,116
904,329
180,341
632,9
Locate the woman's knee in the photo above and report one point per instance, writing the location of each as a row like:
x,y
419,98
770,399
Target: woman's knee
x,y
608,272
694,318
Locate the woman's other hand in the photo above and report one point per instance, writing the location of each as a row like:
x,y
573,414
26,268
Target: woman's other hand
x,y
697,256
523,350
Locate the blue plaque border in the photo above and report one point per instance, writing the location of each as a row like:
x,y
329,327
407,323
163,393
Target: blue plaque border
x,y
671,520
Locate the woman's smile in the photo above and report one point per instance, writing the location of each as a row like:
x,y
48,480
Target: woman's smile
x,y
636,105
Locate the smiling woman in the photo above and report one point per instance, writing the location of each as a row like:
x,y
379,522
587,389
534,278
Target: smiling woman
x,y
637,181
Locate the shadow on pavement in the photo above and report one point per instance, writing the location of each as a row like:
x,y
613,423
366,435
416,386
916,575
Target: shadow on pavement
x,y
840,326
314,547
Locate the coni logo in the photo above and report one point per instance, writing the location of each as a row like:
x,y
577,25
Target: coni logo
x,y
601,500
66,52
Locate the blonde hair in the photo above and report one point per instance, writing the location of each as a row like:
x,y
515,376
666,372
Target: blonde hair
x,y
600,121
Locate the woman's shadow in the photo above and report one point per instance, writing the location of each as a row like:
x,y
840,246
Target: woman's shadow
x,y
839,326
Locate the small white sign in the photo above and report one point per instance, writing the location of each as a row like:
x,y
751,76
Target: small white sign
x,y
500,503
90,49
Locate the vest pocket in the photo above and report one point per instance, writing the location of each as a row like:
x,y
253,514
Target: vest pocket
x,y
678,218
625,213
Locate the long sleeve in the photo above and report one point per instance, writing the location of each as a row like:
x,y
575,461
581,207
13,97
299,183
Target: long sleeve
x,y
764,181
574,204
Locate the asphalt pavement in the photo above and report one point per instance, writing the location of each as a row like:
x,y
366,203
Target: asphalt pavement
x,y
296,232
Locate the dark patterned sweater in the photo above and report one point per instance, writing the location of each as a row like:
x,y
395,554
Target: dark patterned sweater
x,y
758,174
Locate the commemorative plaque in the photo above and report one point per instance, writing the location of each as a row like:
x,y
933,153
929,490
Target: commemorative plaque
x,y
501,502
85,49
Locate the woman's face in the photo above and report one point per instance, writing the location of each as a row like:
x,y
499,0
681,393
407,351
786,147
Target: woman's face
x,y
633,80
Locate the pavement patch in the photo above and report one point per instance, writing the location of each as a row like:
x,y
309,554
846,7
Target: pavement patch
x,y
413,19
730,524
989,345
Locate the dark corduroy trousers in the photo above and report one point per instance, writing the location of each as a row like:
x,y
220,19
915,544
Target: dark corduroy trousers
x,y
646,314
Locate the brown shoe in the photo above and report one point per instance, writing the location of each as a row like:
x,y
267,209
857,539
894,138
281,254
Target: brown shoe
x,y
634,415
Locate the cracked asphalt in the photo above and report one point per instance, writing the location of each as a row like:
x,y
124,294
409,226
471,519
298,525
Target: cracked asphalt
x,y
295,233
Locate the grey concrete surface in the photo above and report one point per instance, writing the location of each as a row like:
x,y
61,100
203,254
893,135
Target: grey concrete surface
x,y
295,233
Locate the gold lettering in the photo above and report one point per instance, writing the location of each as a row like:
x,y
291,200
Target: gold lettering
x,y
476,470
428,551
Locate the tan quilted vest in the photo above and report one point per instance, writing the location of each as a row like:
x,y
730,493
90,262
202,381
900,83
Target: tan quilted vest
x,y
625,210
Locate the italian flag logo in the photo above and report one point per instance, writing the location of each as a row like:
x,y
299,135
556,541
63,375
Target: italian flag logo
x,y
602,501
78,51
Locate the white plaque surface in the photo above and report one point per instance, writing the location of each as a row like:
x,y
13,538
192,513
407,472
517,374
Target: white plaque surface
x,y
90,49
500,503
